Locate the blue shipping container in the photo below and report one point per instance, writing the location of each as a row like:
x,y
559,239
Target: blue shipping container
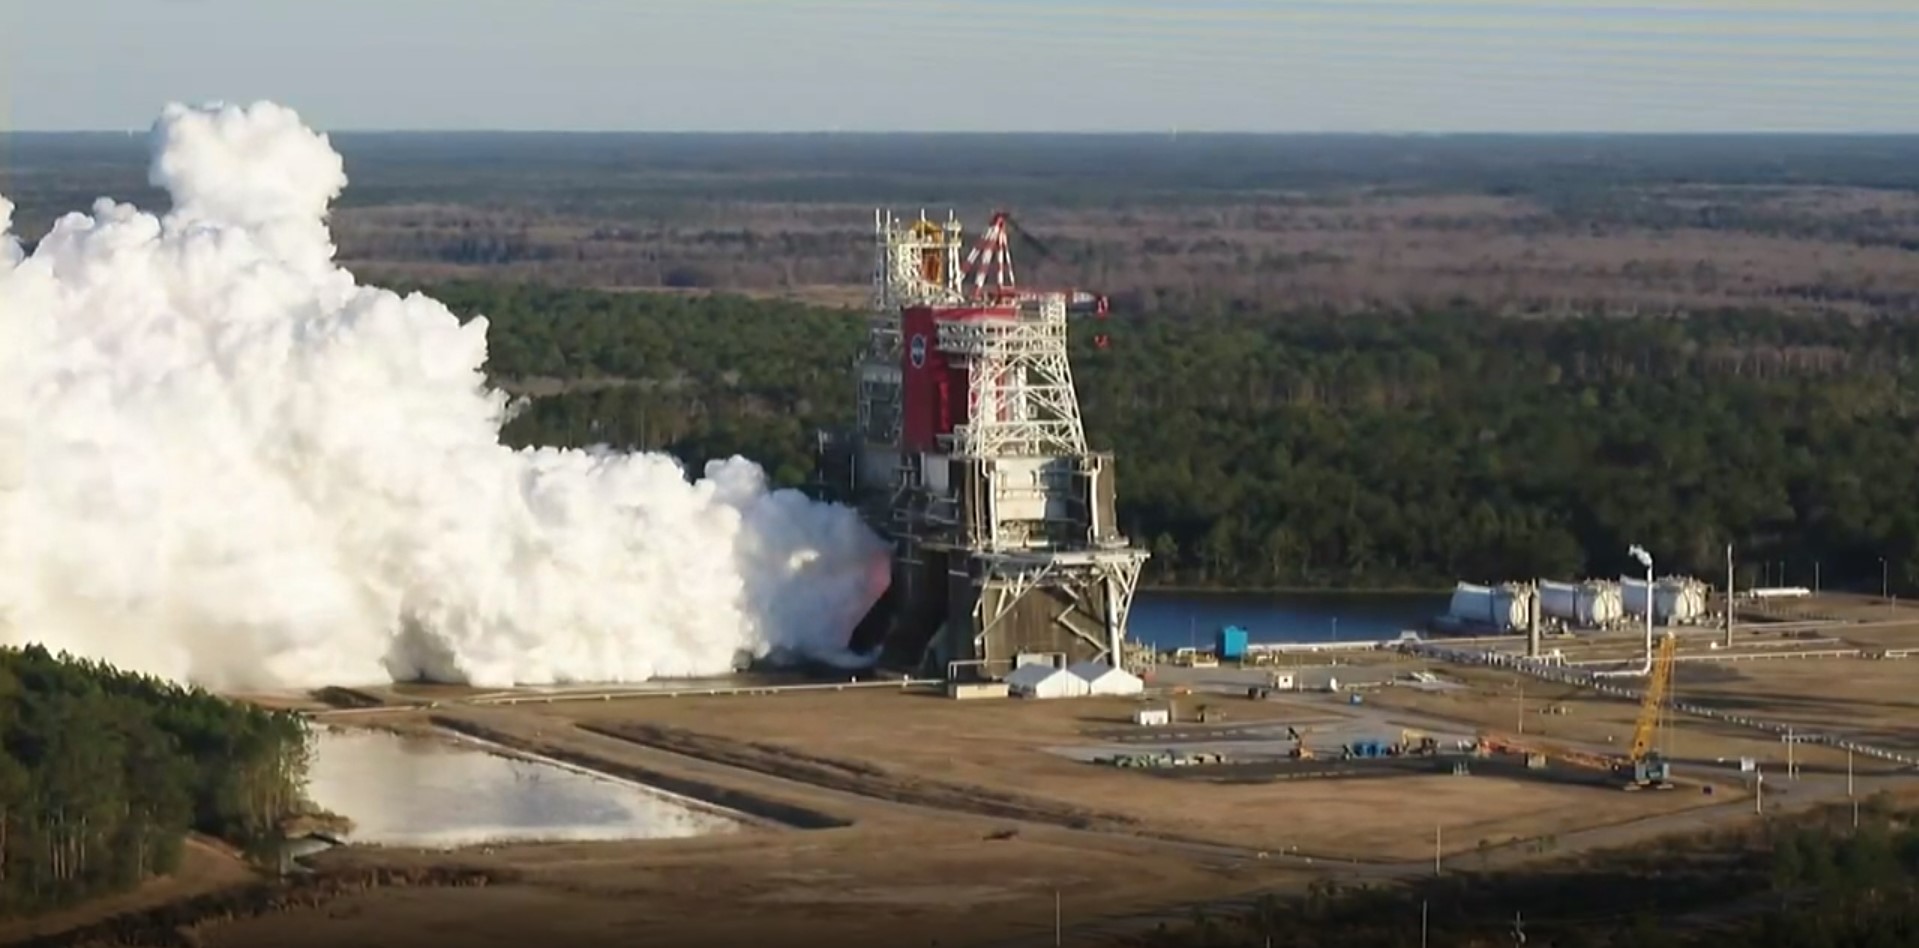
x,y
1230,644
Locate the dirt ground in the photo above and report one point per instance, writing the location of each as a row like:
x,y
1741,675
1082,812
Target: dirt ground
x,y
1499,700
856,887
1872,701
1848,607
1899,631
989,751
952,821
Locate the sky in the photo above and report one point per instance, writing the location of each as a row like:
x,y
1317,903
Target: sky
x,y
975,65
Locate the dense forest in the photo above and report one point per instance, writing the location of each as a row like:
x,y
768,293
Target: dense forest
x,y
1307,449
103,773
1812,881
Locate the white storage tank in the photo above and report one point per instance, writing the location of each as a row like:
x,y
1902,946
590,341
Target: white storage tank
x,y
1501,608
1682,597
1587,605
1674,599
1470,603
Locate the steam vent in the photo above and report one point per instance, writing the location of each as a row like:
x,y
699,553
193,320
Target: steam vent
x,y
970,457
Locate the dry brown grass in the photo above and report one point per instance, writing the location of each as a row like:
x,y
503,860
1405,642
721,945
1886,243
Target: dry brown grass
x,y
1342,249
851,887
1591,719
1874,702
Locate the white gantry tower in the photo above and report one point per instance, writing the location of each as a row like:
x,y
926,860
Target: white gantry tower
x,y
971,454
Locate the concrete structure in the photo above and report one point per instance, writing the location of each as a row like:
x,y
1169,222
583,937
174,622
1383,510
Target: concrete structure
x,y
970,457
1104,679
1152,717
1045,681
972,690
1338,677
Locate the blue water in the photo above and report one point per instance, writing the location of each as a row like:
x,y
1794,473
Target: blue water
x,y
1169,620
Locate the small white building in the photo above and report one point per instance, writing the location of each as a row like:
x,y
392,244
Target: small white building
x,y
1152,717
1046,681
1104,679
971,690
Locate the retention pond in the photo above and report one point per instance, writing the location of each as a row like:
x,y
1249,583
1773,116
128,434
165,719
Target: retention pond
x,y
417,791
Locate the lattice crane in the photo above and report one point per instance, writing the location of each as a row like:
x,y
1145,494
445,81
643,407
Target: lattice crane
x,y
987,274
1644,765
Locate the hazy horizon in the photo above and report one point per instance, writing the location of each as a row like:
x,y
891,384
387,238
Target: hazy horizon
x,y
1378,67
138,134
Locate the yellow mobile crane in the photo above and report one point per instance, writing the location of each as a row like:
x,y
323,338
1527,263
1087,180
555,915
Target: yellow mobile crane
x,y
1644,765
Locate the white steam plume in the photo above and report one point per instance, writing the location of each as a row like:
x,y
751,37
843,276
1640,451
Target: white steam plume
x,y
222,460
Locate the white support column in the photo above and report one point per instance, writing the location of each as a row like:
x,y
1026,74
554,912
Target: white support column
x,y
1115,655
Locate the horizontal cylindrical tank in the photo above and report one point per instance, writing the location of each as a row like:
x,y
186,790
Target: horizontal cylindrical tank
x,y
1502,608
1588,605
1689,598
1674,598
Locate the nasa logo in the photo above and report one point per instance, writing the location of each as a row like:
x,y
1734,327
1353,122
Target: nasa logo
x,y
919,350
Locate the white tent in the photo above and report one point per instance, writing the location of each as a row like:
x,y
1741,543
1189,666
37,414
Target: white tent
x,y
1045,681
1104,679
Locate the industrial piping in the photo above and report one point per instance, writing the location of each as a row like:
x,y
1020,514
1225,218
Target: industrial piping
x,y
1645,559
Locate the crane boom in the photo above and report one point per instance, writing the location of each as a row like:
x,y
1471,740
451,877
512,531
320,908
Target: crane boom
x,y
1643,765
988,271
1658,684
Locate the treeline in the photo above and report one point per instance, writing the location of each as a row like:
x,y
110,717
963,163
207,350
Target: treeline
x,y
103,773
1302,449
1267,447
567,171
1810,882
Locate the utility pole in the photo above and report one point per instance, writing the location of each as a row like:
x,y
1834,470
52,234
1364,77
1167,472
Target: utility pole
x,y
1815,577
1532,622
1436,838
1758,791
1731,597
1855,800
1791,772
1422,923
1057,931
